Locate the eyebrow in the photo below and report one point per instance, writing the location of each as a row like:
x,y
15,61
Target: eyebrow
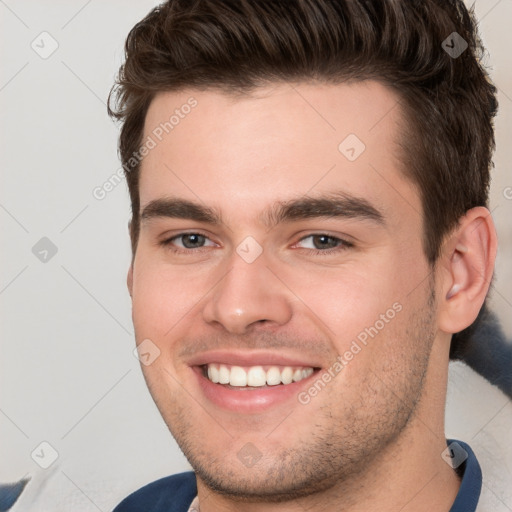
x,y
333,205
179,209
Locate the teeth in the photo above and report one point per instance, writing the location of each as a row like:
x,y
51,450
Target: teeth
x,y
213,373
287,375
256,376
273,376
306,372
238,376
224,374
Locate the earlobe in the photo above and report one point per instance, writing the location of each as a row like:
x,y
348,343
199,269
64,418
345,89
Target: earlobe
x,y
129,280
469,256
129,277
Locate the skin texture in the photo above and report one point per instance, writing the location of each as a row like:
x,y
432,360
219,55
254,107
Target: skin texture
x,y
372,438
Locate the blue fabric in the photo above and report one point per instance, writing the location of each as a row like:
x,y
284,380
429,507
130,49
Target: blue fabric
x,y
471,484
171,494
9,493
175,493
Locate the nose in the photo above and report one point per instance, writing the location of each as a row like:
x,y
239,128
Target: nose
x,y
249,294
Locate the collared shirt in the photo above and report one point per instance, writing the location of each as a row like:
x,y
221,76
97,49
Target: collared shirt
x,y
471,481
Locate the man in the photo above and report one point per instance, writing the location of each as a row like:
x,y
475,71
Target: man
x,y
309,185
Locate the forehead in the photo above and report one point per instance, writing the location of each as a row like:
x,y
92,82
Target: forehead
x,y
276,143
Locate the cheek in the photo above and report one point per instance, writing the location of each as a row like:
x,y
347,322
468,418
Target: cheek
x,y
347,298
364,309
161,297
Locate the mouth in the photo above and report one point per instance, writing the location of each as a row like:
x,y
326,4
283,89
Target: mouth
x,y
251,383
239,377
255,377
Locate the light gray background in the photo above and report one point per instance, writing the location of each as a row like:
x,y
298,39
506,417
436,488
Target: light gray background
x,y
68,374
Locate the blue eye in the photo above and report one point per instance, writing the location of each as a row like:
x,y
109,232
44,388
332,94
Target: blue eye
x,y
189,241
323,243
192,240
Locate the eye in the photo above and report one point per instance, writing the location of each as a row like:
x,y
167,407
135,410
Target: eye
x,y
189,241
323,242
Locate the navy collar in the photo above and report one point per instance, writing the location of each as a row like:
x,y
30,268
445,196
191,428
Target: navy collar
x,y
471,480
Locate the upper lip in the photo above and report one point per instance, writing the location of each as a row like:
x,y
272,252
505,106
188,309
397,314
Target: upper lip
x,y
251,358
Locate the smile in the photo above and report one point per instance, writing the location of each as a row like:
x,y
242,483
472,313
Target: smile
x,y
250,382
255,376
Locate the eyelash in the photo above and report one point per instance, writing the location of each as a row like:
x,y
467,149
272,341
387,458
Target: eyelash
x,y
344,244
168,243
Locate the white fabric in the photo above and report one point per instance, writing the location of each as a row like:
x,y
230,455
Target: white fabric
x,y
481,415
194,506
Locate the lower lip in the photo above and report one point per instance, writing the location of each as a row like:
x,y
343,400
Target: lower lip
x,y
250,400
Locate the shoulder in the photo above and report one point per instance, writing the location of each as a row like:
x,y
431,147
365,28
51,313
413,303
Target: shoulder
x,y
170,494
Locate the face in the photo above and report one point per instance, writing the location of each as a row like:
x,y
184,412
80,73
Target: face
x,y
280,280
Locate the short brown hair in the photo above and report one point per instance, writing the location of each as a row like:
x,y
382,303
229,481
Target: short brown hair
x,y
448,100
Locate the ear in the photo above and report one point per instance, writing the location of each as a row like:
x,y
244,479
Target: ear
x,y
467,266
129,277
